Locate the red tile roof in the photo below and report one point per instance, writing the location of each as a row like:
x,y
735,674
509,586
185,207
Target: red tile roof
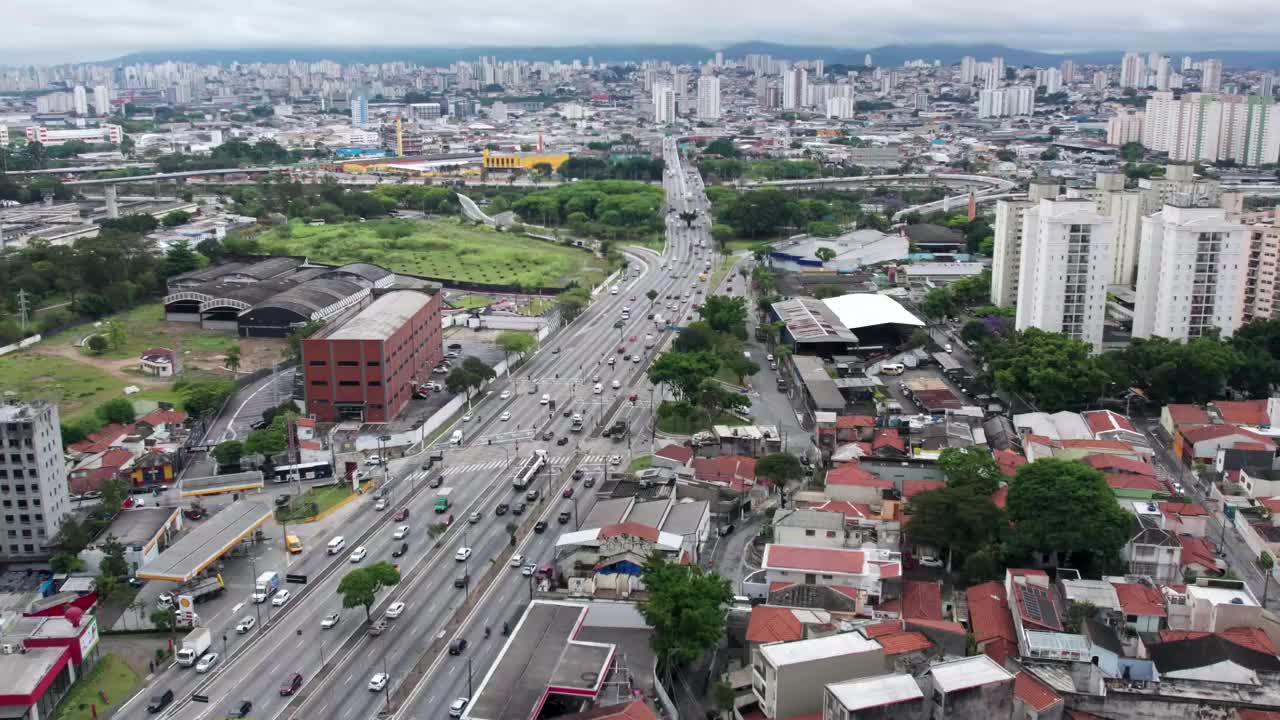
x,y
1189,509
848,422
1187,415
796,557
1000,498
1103,461
1271,503
1098,445
1248,637
947,626
115,458
851,511
634,710
904,642
1197,551
1101,421
164,417
851,473
773,624
1243,412
100,439
1033,692
637,530
921,600
989,615
677,453
1009,461
1201,433
735,470
1243,714
888,437
910,488
881,629
1126,481
1137,599
888,569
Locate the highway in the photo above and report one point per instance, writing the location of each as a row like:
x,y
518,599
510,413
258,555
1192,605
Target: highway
x,y
566,368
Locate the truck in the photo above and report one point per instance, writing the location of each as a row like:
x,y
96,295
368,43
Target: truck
x,y
576,424
657,321
442,499
618,430
528,469
293,544
193,646
199,590
266,586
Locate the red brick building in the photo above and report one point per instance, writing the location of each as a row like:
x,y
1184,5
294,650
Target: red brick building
x,y
366,367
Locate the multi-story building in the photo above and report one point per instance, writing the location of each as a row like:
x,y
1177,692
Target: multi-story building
x,y
1068,70
788,677
709,97
1125,127
1260,296
1192,268
1124,207
1067,261
80,100
359,108
972,688
33,479
664,103
367,368
48,136
968,69
1179,180
795,87
4,136
101,100
1209,128
995,73
894,696
1211,75
1132,70
1007,262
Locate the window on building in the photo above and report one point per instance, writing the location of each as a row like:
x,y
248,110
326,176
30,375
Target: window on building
x,y
810,533
317,363
320,383
349,383
348,363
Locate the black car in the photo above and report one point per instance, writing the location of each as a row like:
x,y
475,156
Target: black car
x,y
567,412
565,517
562,441
282,500
243,709
461,581
577,474
454,346
404,548
160,701
501,509
436,481
548,435
457,646
531,495
589,482
518,508
258,424
540,526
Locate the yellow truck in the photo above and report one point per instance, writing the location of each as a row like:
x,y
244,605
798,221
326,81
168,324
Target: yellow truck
x,y
293,544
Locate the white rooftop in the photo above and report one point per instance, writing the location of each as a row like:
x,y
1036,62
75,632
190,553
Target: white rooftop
x,y
968,672
833,646
858,310
875,691
1222,596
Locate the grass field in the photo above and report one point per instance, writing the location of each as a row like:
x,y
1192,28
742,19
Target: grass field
x,y
468,302
112,676
738,244
77,387
145,327
644,462
445,248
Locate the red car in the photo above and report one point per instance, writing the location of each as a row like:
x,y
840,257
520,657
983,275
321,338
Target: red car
x,y
622,348
401,514
568,492
291,684
631,339
632,397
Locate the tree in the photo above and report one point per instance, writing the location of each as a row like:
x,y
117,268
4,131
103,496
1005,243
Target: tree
x,y
116,335
721,146
228,453
1132,152
825,254
179,259
232,360
478,368
687,217
114,491
721,234
164,619
715,399
970,468
294,341
1065,506
1050,369
116,410
685,372
460,380
938,303
97,344
780,468
514,342
686,608
65,563
543,169
176,218
740,365
652,294
73,535
696,337
359,588
572,302
211,248
1050,154
203,398
725,314
955,519
113,564
1266,563
268,441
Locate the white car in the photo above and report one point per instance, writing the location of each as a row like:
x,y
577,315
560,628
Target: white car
x,y
401,533
373,460
769,357
280,598
378,682
462,554
505,416
927,561
529,569
394,610
380,505
475,518
517,560
615,384
329,621
246,624
947,347
615,459
506,394
359,554
455,710
466,418
207,662
635,358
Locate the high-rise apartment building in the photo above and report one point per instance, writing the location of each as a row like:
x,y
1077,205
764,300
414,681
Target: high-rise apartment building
x,y
1203,127
1192,266
359,109
1262,276
1067,259
968,69
1068,70
1211,75
1125,128
995,73
664,103
1124,208
33,480
101,100
80,100
1007,256
1163,74
795,87
1267,86
1100,81
1132,70
709,97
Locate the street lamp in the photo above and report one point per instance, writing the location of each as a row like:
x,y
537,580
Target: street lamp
x,y
257,610
382,455
386,689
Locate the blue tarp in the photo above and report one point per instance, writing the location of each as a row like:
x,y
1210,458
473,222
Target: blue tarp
x,y
623,567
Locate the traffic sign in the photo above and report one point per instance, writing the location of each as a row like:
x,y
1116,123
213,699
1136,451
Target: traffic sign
x,y
199,698
296,579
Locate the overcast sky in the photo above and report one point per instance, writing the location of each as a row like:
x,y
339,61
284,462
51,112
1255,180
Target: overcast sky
x,y
75,30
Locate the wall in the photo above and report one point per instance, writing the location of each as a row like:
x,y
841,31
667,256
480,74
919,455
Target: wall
x,y
800,686
994,700
28,342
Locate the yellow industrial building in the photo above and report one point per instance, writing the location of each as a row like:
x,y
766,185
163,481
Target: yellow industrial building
x,y
522,161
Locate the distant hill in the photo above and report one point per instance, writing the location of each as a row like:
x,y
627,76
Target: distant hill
x,y
885,56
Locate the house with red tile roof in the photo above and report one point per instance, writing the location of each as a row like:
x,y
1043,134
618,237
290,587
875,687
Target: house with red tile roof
x,y
165,421
771,624
673,456
1111,425
848,429
920,600
1009,461
911,488
1199,556
991,621
1034,700
888,443
1202,443
100,439
875,572
1137,487
1143,606
1253,638
1248,413
905,646
1175,417
1120,464
854,483
734,471
1184,518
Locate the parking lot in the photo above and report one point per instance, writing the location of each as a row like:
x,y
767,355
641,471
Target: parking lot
x,y
893,384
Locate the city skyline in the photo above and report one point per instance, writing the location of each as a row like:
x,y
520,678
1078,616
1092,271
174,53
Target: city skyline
x,y
54,34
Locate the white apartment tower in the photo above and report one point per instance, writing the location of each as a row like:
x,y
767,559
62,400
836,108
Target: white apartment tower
x,y
1132,70
995,73
1068,69
1191,272
33,479
968,69
1211,75
1067,258
1163,73
709,97
1007,262
1125,128
664,103
1124,208
80,100
795,86
101,100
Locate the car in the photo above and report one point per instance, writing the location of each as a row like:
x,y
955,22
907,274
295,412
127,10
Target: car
x,y
258,424
467,417
616,384
946,347
160,701
504,395
540,526
505,416
380,505
451,354
578,473
564,517
562,441
547,435
441,369
589,482
329,621
436,481
545,399
246,624
932,562
626,357
281,597
531,495
401,533
394,610
611,362
615,459
517,560
462,581
207,662
378,628
475,518
518,508
568,493
533,389
358,554
455,710
635,358
282,499
501,509
555,350
378,682
243,709
373,460
457,646
528,569
291,684
633,397
631,339
622,348
400,551
462,554
454,346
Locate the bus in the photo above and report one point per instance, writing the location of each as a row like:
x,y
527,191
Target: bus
x,y
301,471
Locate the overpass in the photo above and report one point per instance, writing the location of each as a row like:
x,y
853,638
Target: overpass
x,y
179,175
83,169
951,179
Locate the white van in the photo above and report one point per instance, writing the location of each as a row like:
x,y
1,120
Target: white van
x,y
546,399
597,389
892,369
456,438
336,545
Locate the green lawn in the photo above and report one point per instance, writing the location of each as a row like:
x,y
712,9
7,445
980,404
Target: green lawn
x,y
112,676
536,307
323,497
468,302
738,244
644,462
726,376
77,387
716,278
677,425
145,327
445,248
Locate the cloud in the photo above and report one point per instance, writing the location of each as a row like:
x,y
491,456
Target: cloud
x,y
69,30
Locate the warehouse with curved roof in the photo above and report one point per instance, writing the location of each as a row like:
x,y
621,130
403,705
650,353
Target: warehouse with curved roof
x,y
317,299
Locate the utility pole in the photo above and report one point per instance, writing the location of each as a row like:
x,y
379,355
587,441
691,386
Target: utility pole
x,y
23,310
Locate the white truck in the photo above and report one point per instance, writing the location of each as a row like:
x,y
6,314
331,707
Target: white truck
x,y
193,646
266,586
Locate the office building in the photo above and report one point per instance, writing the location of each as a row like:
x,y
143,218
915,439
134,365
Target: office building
x,y
33,479
1125,128
664,103
1132,71
795,88
968,69
359,109
101,100
1067,262
367,367
709,97
1192,266
80,101
101,134
1211,75
1007,255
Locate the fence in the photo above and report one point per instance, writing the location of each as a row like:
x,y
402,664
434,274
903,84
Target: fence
x,y
28,342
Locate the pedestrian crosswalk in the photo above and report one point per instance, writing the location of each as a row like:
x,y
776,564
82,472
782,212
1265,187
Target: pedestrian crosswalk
x,y
494,465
